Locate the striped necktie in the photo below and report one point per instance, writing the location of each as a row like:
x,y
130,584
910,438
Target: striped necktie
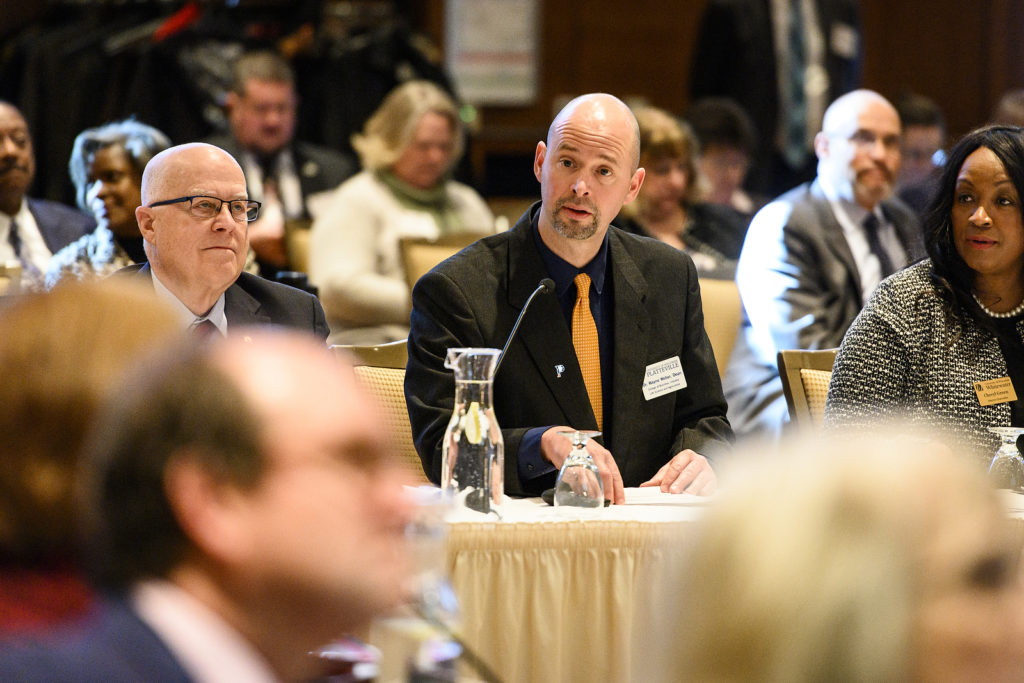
x,y
585,342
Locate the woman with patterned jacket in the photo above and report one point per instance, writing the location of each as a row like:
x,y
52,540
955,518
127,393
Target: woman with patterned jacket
x,y
939,345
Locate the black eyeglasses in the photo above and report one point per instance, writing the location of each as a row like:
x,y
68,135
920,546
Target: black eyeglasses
x,y
202,206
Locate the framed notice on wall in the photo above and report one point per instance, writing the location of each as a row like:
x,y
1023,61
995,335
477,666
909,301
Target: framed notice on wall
x,y
491,50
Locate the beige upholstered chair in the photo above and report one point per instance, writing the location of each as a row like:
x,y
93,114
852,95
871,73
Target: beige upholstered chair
x,y
10,278
722,314
420,254
805,377
296,243
381,369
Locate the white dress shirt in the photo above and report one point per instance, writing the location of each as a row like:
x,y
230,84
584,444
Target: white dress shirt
x,y
33,246
215,315
851,217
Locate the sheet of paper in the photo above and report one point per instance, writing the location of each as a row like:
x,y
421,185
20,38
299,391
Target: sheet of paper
x,y
652,495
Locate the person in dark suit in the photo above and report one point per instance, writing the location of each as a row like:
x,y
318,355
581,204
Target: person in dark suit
x,y
31,230
783,67
231,527
281,172
813,256
642,303
193,219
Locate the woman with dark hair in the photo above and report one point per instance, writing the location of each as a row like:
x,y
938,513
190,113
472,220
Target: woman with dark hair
x,y
939,345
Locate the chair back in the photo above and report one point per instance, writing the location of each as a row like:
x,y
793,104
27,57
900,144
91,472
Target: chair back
x,y
381,369
420,254
296,243
805,377
722,314
10,277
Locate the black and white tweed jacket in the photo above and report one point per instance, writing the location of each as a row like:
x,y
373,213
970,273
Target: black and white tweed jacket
x,y
902,360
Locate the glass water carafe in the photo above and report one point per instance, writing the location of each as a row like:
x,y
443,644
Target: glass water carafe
x,y
473,452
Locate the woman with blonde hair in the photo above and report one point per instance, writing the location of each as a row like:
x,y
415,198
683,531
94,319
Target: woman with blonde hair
x,y
866,560
407,149
671,207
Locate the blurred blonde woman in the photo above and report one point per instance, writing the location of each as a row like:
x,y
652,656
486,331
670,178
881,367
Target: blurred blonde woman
x,y
670,205
862,561
407,149
61,354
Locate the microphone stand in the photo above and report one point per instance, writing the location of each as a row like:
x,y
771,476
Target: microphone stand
x,y
546,285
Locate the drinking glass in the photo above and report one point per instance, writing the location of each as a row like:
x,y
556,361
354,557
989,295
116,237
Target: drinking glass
x,y
579,482
1007,468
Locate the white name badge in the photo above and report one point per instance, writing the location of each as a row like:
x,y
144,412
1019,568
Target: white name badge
x,y
663,378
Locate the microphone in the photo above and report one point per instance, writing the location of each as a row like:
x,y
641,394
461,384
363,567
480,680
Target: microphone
x,y
546,285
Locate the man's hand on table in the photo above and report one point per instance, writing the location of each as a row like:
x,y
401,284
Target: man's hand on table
x,y
555,448
687,472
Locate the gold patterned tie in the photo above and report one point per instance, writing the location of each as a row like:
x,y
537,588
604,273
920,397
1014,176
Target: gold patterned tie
x,y
584,341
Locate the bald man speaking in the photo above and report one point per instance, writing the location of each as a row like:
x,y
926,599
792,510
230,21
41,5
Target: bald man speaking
x,y
194,219
639,296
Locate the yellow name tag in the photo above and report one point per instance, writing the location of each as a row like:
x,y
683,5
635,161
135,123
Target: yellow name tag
x,y
993,391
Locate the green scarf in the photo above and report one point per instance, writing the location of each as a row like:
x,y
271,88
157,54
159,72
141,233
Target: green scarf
x,y
434,201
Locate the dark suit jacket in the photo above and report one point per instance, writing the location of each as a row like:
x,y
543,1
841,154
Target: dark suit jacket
x,y
111,645
473,299
319,168
253,300
801,290
735,57
59,225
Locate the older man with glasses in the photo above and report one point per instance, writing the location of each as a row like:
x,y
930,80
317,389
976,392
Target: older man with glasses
x,y
194,219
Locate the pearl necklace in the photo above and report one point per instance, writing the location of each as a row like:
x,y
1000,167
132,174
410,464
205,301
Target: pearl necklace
x,y
992,314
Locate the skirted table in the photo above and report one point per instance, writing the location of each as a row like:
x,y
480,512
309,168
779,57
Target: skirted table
x,y
548,595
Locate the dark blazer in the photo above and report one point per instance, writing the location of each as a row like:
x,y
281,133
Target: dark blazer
x,y
253,300
319,168
111,645
473,299
59,225
735,57
801,290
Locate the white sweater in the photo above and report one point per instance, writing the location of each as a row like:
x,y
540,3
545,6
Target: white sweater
x,y
354,258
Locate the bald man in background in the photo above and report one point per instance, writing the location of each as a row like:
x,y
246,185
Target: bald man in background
x,y
194,219
643,297
813,256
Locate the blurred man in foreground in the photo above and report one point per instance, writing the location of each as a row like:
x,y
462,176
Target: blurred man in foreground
x,y
242,511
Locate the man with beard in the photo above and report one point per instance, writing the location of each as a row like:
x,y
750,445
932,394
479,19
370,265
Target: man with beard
x,y
31,230
625,310
813,256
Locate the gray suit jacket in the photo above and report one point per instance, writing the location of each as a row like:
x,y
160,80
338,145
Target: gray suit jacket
x,y
253,300
801,290
473,299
